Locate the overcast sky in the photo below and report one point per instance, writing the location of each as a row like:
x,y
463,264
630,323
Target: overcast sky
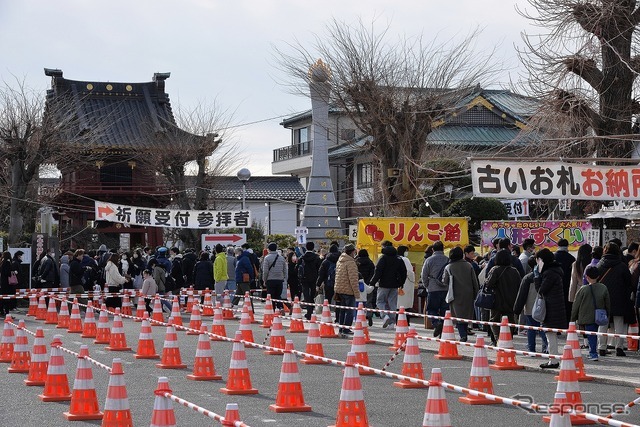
x,y
222,50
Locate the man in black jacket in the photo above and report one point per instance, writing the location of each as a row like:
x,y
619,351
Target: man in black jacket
x,y
391,274
189,260
307,268
566,260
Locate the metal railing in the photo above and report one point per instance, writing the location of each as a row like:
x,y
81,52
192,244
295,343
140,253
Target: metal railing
x,y
292,151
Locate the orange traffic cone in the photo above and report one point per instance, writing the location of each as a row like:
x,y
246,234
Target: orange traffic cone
x,y
559,417
245,326
117,338
204,368
39,361
276,340
231,415
163,415
296,325
33,305
267,317
574,342
84,400
480,378
190,300
89,329
361,317
175,311
359,348
285,307
171,358
402,328
116,408
146,346
227,308
195,322
632,343
21,359
156,314
126,305
326,329
41,312
103,334
8,341
56,385
314,344
289,397
75,321
505,360
436,411
448,351
568,384
247,302
217,327
411,364
63,316
207,306
352,411
239,380
51,318
140,308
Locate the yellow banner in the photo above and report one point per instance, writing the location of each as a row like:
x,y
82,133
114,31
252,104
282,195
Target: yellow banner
x,y
415,233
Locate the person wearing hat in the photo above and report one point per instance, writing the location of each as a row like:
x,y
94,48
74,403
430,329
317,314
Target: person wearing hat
x,y
327,275
220,273
346,287
274,274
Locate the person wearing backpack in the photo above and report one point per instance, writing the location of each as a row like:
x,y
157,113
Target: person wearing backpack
x,y
390,274
432,272
327,275
274,273
590,297
308,266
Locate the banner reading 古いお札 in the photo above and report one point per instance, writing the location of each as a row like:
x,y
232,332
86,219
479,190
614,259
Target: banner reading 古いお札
x,y
545,234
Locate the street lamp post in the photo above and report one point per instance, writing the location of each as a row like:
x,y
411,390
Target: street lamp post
x,y
244,175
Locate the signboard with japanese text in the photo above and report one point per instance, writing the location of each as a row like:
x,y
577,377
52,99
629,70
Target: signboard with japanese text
x,y
209,241
610,233
413,232
353,232
554,180
173,218
516,208
545,233
301,235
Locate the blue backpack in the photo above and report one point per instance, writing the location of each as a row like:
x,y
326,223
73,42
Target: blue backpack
x,y
331,274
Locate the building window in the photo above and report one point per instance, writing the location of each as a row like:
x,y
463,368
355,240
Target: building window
x,y
364,175
301,135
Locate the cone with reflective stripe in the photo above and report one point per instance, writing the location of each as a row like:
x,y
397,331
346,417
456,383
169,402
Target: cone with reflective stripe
x,y
352,411
63,315
56,386
171,358
204,368
568,384
190,300
51,318
289,397
8,341
227,308
217,327
126,305
267,317
436,411
402,328
574,342
84,400
97,300
39,361
245,326
231,415
247,302
411,365
195,322
480,378
117,412
163,415
175,311
146,345
157,312
314,344
632,343
359,348
117,338
33,305
276,340
21,359
326,330
239,380
103,334
296,325
207,306
284,306
505,360
447,350
140,308
41,312
75,321
559,417
89,329
361,317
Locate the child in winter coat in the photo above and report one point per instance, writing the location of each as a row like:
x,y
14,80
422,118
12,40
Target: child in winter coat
x,y
364,291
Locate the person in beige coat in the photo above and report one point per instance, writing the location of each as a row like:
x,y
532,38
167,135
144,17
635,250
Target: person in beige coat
x,y
346,287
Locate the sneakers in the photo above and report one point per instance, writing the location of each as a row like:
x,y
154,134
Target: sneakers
x,y
604,352
437,330
344,333
370,321
386,321
620,352
550,365
593,358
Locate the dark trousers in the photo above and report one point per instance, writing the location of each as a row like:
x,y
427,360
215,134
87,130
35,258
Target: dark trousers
x,y
274,288
346,316
437,305
308,295
240,291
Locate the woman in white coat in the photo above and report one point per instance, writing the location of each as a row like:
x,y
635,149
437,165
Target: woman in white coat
x,y
114,281
406,300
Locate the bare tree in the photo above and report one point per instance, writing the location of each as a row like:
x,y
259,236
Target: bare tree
x,y
584,64
393,90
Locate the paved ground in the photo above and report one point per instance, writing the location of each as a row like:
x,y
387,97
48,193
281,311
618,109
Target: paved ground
x,y
386,405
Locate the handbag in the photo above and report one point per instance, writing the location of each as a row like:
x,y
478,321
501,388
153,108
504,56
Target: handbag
x,y
449,297
601,316
422,291
539,310
13,279
485,299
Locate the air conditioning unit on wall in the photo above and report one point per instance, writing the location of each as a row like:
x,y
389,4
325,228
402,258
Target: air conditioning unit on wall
x,y
393,172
